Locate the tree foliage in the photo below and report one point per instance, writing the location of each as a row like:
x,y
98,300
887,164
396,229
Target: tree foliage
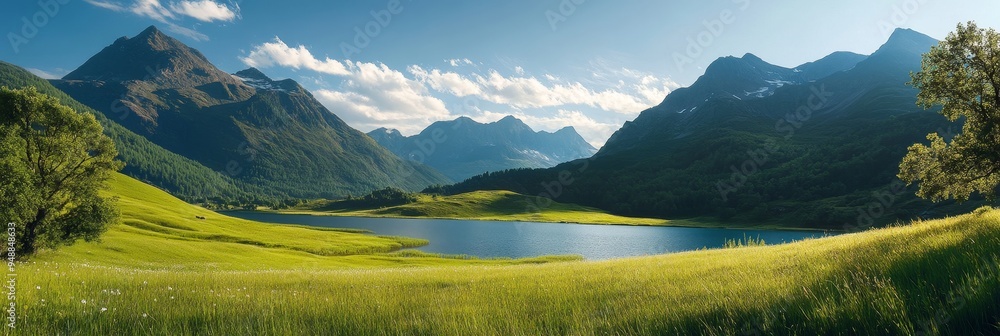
x,y
53,163
962,75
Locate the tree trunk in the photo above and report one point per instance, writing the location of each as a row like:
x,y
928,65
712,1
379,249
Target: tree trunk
x,y
30,244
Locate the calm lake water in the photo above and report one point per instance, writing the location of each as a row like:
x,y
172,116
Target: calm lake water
x,y
524,239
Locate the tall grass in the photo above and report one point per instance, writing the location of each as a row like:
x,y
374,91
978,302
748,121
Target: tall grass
x,y
745,242
936,277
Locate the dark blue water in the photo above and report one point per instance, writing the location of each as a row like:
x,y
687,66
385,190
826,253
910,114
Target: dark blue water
x,y
523,239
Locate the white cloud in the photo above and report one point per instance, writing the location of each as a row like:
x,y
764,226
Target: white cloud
x,y
42,73
529,92
190,33
459,61
655,89
172,14
278,53
630,97
449,82
151,9
107,5
204,10
370,96
373,95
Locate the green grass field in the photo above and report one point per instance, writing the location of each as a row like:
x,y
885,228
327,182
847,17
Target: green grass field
x,y
165,272
159,231
492,206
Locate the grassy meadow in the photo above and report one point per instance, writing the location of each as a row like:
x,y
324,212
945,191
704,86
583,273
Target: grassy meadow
x,y
159,231
166,272
491,206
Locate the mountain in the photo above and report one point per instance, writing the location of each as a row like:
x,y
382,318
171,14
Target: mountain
x,y
463,148
727,81
143,159
829,65
267,133
801,148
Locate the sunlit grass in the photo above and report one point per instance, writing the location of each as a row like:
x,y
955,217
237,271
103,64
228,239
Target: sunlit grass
x,y
936,277
162,232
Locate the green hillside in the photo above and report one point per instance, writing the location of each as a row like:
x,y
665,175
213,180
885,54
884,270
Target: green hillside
x,y
487,205
159,231
143,159
148,276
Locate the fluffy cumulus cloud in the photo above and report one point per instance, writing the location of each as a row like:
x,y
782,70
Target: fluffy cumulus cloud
x,y
277,53
372,95
529,92
173,13
448,82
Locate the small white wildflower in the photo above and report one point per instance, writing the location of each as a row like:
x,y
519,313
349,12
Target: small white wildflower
x,y
38,287
104,309
83,301
144,315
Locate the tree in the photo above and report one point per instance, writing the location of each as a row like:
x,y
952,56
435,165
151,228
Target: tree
x,y
962,75
53,163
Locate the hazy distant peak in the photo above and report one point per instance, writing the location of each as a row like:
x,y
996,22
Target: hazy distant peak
x,y
907,41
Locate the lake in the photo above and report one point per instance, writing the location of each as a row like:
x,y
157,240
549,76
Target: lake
x,y
489,239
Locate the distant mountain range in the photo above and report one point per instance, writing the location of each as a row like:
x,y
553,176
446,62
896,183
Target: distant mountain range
x,y
753,142
266,133
463,148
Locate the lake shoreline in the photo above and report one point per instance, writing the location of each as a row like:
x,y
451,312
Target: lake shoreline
x,y
525,239
683,223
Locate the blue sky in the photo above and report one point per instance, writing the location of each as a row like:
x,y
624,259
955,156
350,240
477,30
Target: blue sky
x,y
591,64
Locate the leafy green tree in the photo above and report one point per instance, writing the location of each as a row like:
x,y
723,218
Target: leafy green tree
x,y
962,75
53,163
